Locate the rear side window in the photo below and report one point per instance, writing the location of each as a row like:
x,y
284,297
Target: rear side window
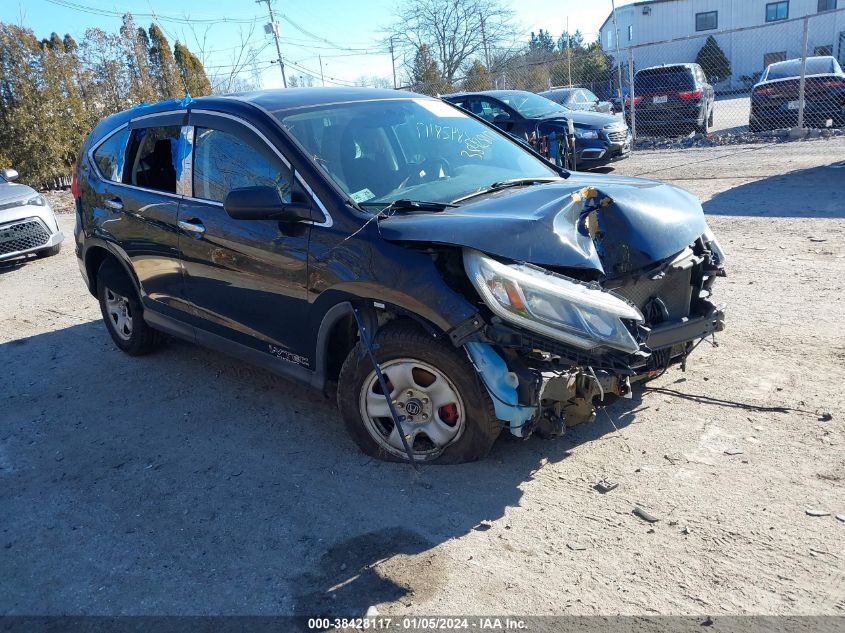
x,y
663,80
792,68
153,156
223,162
110,155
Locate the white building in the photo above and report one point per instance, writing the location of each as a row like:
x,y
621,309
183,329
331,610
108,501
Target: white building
x,y
769,31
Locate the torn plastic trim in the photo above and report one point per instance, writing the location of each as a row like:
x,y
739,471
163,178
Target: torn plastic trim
x,y
501,384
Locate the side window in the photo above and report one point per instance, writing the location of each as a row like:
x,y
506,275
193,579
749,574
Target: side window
x,y
223,162
152,158
490,110
110,156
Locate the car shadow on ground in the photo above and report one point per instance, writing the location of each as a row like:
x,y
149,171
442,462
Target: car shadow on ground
x,y
189,482
817,192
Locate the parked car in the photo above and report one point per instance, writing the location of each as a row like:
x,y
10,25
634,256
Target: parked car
x,y
27,223
672,100
599,138
450,280
775,98
577,98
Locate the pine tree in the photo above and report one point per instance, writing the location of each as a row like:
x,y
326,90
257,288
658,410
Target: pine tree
x,y
477,78
192,71
425,74
137,59
714,62
163,69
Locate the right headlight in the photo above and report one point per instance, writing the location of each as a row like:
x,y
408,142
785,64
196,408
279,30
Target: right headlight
x,y
567,310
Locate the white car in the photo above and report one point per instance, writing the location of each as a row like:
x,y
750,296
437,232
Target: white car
x,y
27,223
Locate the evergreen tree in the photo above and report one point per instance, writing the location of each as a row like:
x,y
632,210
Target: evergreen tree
x,y
163,69
477,78
192,71
137,59
425,74
714,62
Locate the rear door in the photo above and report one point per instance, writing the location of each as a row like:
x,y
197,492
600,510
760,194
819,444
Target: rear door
x,y
245,279
137,204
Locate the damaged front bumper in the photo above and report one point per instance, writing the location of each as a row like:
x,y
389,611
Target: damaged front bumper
x,y
542,385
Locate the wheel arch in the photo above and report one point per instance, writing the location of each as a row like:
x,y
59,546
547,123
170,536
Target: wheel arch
x,y
95,255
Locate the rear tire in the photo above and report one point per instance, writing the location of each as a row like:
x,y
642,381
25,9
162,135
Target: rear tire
x,y
122,311
409,357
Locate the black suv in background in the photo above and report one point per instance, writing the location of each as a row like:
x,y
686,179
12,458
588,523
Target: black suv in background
x,y
599,138
672,100
451,281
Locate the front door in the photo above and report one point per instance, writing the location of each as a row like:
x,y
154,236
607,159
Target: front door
x,y
245,279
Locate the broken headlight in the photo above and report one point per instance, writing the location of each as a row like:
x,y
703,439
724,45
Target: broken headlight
x,y
713,244
584,316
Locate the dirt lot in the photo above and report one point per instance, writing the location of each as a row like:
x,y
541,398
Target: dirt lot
x,y
188,483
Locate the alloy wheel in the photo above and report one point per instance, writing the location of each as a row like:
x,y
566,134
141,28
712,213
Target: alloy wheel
x,y
119,314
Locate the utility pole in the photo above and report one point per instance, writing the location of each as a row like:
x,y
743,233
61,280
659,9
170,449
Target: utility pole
x,y
569,51
618,60
273,27
322,77
393,63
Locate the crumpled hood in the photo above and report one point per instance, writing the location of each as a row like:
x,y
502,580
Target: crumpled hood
x,y
610,224
11,191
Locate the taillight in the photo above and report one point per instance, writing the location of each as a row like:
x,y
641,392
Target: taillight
x,y
692,94
764,92
74,183
834,83
636,100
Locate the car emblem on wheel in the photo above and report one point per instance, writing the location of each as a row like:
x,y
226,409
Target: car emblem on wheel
x,y
413,407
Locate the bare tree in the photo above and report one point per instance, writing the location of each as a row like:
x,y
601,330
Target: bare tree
x,y
243,58
456,31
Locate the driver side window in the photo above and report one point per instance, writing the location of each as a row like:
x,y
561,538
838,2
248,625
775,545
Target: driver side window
x,y
224,161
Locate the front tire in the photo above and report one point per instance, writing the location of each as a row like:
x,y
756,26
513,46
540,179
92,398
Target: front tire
x,y
449,416
122,311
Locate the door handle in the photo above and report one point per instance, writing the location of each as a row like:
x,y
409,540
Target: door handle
x,y
192,226
115,204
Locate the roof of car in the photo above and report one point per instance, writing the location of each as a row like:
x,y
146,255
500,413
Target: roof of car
x,y
687,65
486,93
294,98
271,100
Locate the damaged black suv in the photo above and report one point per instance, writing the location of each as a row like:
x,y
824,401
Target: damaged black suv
x,y
451,282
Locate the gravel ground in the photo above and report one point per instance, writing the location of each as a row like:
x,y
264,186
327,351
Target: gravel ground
x,y
189,483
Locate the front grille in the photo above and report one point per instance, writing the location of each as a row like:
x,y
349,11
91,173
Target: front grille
x,y
619,136
22,236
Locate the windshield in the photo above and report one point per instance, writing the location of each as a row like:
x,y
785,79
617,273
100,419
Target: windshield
x,y
530,105
648,82
792,68
421,149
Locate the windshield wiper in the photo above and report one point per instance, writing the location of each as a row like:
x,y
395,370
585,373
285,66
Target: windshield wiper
x,y
505,184
404,204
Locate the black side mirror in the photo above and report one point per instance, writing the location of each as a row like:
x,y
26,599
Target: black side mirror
x,y
9,174
265,203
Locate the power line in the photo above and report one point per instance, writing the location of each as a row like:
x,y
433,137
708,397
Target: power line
x,y
75,6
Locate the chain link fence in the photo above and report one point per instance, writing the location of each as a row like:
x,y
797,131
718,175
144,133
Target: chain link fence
x,y
763,83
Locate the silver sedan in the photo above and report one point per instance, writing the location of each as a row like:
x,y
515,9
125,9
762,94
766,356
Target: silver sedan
x,y
27,223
